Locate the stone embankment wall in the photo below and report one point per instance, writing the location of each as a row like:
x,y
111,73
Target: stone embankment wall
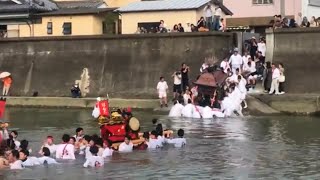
x,y
127,66
299,51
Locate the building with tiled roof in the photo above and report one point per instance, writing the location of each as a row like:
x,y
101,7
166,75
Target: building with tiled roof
x,y
34,18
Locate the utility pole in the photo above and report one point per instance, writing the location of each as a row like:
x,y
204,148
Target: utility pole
x,y
282,8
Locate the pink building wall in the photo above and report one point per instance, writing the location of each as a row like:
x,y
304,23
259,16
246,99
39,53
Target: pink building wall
x,y
245,8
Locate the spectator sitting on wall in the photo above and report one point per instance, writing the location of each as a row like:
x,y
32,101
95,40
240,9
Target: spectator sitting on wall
x,y
75,91
180,28
285,23
162,27
188,28
305,22
194,28
222,25
299,19
175,28
293,23
313,22
201,23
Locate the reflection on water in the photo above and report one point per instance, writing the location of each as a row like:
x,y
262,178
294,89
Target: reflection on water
x,y
283,147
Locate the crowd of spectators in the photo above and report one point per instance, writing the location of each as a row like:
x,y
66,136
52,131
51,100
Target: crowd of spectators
x,y
211,21
300,22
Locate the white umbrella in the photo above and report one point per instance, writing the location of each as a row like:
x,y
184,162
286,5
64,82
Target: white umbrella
x,y
4,74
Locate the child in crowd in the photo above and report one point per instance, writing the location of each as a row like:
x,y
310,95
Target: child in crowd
x,y
127,145
178,142
94,160
162,88
65,150
45,152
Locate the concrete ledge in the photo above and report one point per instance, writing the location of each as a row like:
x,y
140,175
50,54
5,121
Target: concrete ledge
x,y
117,36
298,104
65,102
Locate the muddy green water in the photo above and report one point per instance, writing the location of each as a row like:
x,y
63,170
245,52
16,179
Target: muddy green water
x,y
283,147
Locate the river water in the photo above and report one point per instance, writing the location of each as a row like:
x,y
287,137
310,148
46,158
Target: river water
x,y
282,147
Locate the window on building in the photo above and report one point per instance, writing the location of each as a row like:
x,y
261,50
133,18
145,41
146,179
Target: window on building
x,y
67,28
49,28
262,1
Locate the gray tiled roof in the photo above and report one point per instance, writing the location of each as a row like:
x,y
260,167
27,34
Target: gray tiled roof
x,y
163,5
25,6
314,2
75,11
79,4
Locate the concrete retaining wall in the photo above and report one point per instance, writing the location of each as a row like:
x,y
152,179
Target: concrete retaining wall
x,y
123,66
299,50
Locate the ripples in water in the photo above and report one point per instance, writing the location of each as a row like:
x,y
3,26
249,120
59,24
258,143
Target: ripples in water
x,y
236,148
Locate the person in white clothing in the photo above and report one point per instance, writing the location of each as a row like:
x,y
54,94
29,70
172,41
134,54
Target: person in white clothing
x,y
160,137
186,96
108,151
65,150
245,59
46,159
242,87
49,144
207,112
176,110
262,47
12,137
153,142
188,27
204,67
208,12
15,163
26,160
178,142
176,84
275,80
94,160
162,88
224,65
234,77
79,134
236,60
251,72
127,145
187,110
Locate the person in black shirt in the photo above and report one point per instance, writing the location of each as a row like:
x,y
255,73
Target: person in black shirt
x,y
201,23
180,28
184,76
75,91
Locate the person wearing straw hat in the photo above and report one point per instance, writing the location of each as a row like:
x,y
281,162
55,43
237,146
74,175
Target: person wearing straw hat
x,y
7,81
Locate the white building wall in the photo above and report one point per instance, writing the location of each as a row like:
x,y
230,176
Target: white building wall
x,y
309,10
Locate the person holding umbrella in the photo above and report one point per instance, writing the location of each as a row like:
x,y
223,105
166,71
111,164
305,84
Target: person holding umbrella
x,y
7,81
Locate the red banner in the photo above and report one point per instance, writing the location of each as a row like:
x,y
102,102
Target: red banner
x,y
2,108
104,108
